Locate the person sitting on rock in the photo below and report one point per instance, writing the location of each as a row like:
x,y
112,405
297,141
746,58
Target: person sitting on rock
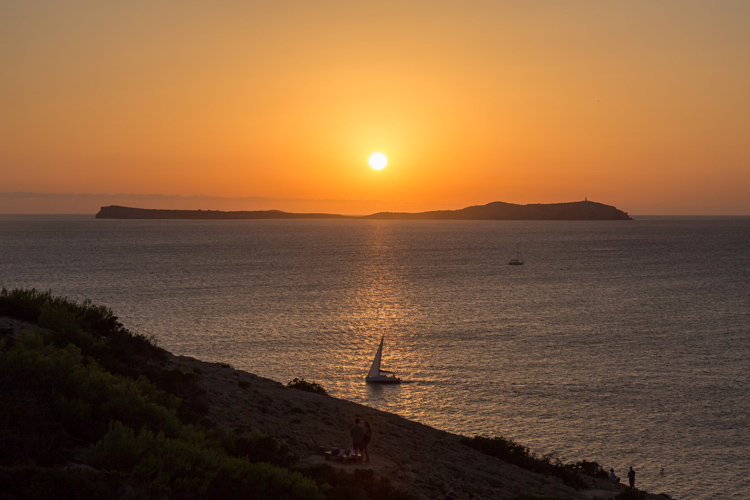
x,y
613,477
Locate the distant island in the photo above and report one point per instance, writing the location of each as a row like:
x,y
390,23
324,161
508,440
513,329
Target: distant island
x,y
578,210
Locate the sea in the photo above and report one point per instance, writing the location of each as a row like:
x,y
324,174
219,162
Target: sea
x,y
622,342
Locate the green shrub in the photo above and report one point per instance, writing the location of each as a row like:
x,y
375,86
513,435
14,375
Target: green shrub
x,y
55,391
514,453
21,304
28,305
35,377
357,485
258,447
591,469
188,468
93,329
303,385
185,386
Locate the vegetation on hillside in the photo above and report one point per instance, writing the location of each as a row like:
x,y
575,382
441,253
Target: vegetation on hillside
x,y
514,453
303,385
90,410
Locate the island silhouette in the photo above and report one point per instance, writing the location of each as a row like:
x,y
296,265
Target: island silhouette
x,y
498,210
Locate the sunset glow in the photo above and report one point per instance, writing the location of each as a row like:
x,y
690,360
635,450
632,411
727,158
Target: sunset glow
x,y
642,105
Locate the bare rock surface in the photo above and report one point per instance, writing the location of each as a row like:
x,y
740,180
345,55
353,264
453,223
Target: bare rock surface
x,y
426,461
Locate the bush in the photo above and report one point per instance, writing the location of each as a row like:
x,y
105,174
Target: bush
x,y
185,386
258,447
591,469
28,305
514,453
55,391
358,485
188,468
95,330
303,385
21,304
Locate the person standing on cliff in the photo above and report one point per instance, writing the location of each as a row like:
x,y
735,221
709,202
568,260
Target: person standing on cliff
x,y
358,436
631,477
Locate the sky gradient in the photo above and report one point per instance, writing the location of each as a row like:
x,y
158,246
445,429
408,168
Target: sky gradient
x,y
639,104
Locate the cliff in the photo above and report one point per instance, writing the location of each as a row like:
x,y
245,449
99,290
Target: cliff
x,y
580,210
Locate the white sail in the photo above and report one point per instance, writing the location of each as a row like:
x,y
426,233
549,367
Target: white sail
x,y
378,375
375,368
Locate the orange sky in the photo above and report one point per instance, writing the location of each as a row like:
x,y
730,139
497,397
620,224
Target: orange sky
x,y
639,104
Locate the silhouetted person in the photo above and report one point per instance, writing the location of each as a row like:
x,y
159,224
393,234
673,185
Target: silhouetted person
x,y
358,436
631,477
366,440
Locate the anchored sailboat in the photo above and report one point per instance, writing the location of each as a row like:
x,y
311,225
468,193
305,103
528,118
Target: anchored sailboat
x,y
518,261
378,376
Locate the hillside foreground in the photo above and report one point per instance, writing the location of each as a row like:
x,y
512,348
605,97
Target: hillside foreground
x,y
424,462
421,459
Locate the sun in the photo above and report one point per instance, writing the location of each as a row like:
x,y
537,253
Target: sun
x,y
378,161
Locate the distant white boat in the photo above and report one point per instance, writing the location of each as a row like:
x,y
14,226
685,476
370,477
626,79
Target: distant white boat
x,y
518,261
378,376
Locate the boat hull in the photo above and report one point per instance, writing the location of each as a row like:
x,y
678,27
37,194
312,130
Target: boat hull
x,y
382,380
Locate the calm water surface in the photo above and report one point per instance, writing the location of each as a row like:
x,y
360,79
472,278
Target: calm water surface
x,y
621,342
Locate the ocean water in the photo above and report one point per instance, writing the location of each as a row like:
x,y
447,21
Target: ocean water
x,y
621,342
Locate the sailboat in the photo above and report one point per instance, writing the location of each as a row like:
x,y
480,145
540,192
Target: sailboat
x,y
518,261
378,376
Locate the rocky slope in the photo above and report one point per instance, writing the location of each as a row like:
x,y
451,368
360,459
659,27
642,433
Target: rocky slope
x,y
426,461
423,460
